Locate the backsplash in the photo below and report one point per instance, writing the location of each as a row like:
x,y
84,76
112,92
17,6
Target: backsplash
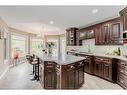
x,y
89,45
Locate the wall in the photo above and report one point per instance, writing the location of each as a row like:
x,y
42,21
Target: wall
x,y
103,49
3,28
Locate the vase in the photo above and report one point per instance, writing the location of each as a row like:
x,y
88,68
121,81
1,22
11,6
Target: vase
x,y
50,50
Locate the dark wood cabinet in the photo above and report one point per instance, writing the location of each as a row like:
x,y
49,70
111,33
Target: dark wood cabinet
x,y
73,75
123,14
105,68
98,68
88,63
116,31
107,71
122,73
109,32
50,76
72,36
86,33
70,79
105,33
98,34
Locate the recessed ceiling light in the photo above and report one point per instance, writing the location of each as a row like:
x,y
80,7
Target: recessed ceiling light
x,y
94,11
51,22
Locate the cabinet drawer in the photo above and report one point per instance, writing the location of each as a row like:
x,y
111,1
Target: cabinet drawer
x,y
102,59
70,67
122,64
122,80
122,69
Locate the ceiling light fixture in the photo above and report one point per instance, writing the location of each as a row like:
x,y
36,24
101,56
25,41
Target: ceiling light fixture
x,y
51,22
94,11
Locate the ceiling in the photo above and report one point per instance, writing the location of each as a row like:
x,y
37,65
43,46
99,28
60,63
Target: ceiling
x,y
36,19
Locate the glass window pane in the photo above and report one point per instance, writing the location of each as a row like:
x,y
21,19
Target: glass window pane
x,y
18,45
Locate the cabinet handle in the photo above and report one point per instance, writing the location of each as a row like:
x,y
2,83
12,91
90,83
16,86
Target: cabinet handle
x,y
80,63
121,81
106,65
121,71
71,66
123,63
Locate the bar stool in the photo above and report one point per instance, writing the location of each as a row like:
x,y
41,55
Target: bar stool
x,y
30,60
35,64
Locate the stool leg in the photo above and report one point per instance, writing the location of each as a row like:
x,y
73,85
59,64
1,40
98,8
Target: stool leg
x,y
38,72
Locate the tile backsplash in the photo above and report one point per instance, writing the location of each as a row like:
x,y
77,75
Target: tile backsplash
x,y
89,45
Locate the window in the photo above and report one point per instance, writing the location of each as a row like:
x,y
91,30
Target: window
x,y
36,45
18,45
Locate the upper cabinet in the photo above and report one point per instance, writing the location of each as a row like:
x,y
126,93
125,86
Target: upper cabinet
x,y
72,36
105,33
116,28
123,14
109,32
86,33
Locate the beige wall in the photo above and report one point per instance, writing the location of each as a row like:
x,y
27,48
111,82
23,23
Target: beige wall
x,y
3,28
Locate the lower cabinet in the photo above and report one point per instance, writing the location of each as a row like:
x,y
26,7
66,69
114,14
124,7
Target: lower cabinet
x,y
122,73
107,71
80,76
105,68
88,63
70,80
73,76
98,67
50,75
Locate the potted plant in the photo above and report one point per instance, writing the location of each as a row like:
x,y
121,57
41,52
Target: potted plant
x,y
50,46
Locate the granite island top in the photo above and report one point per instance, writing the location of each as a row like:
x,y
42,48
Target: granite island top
x,y
62,59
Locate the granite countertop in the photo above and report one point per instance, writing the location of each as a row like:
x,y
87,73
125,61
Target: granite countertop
x,y
101,55
62,59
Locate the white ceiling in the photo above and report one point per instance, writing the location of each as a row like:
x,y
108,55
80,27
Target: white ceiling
x,y
36,19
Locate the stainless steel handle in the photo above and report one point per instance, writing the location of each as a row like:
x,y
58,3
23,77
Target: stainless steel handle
x,y
121,71
122,63
121,81
71,66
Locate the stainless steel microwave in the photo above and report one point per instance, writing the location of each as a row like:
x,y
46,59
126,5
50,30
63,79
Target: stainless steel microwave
x,y
125,35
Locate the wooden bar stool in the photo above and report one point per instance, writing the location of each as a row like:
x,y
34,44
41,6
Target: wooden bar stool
x,y
35,63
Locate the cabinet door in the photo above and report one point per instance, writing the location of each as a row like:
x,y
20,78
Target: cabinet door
x,y
90,34
81,76
70,79
98,34
105,34
82,35
87,66
50,81
107,71
98,68
125,21
68,38
116,30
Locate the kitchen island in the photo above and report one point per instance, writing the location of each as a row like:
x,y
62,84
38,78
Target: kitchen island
x,y
61,72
